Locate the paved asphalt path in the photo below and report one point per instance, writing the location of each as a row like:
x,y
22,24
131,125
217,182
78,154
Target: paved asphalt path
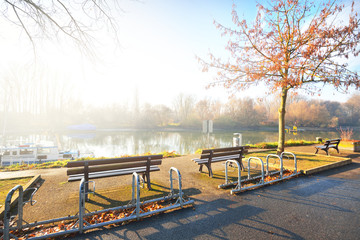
x,y
321,206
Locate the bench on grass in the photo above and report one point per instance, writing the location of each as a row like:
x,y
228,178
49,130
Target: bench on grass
x,y
209,156
110,167
333,143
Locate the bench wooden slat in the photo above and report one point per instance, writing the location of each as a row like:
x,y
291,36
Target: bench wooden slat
x,y
206,156
97,168
112,173
113,160
113,167
209,156
224,149
217,159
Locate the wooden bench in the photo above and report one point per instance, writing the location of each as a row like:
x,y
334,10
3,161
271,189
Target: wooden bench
x,y
209,156
110,167
333,143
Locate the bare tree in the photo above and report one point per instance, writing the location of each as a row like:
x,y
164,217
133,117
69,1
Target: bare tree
x,y
61,19
183,106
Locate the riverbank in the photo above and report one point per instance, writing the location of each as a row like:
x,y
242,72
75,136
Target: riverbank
x,y
175,129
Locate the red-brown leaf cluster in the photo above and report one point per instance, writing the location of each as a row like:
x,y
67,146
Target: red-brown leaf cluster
x,y
93,219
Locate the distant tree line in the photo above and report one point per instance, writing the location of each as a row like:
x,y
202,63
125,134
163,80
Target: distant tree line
x,y
37,110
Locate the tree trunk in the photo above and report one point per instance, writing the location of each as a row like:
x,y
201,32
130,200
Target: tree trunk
x,y
281,142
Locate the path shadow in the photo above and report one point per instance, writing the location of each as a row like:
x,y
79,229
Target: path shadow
x,y
110,202
353,155
314,187
210,220
302,195
342,169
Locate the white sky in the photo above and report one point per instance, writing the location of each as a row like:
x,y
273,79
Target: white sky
x,y
159,40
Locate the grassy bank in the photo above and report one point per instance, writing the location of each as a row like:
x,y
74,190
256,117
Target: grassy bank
x,y
289,143
7,184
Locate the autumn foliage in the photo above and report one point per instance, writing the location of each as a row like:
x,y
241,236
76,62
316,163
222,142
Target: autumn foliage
x,y
111,215
291,44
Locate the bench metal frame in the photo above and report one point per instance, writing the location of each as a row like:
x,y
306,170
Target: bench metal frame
x,y
332,143
81,224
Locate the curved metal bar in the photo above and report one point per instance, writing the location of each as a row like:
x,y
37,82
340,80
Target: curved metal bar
x,y
173,169
262,167
82,199
295,161
227,182
267,163
31,201
136,188
226,170
7,214
93,191
238,185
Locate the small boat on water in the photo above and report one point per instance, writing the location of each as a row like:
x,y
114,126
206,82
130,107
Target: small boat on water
x,y
30,153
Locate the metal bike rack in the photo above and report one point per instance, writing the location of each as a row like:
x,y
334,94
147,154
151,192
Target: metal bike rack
x,y
172,192
237,184
7,213
81,224
295,161
282,168
31,201
262,169
227,182
267,165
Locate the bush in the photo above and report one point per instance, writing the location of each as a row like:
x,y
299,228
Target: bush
x,y
289,143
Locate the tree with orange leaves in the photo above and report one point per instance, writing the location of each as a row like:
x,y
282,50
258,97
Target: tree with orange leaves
x,y
291,45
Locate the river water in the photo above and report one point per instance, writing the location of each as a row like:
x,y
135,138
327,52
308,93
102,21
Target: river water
x,y
110,143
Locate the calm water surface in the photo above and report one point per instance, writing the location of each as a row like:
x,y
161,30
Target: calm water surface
x,y
109,143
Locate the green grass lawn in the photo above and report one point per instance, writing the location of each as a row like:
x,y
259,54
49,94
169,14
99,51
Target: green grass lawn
x,y
7,184
113,197
305,161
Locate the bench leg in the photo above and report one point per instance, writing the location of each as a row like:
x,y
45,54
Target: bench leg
x,y
146,177
208,167
240,163
86,191
210,172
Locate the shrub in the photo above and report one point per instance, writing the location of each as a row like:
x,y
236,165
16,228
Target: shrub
x,y
346,134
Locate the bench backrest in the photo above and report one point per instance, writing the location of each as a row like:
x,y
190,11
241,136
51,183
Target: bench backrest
x,y
78,167
222,152
332,141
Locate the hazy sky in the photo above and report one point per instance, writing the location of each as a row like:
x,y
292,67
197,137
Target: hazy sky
x,y
159,41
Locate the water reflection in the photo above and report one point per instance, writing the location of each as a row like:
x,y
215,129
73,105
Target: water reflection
x,y
117,143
